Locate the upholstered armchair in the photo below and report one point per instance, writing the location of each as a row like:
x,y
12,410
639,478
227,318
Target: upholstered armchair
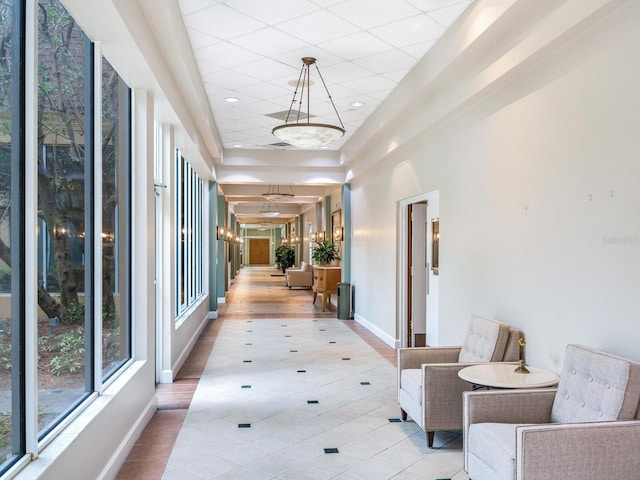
x,y
299,277
586,428
429,389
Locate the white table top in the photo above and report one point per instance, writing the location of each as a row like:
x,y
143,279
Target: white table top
x,y
503,375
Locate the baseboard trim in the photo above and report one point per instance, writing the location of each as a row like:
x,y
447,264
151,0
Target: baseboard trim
x,y
376,331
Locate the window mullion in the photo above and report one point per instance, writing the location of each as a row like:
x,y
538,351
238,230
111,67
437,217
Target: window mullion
x,y
97,218
31,225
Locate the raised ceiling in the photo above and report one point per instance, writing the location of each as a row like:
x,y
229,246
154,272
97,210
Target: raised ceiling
x,y
251,50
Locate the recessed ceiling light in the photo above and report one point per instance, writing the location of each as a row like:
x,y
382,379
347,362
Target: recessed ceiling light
x,y
357,104
231,99
324,147
237,145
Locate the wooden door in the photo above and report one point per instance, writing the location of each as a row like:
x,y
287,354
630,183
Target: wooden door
x,y
258,251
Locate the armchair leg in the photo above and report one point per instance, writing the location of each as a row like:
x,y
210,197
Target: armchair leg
x,y
403,415
430,436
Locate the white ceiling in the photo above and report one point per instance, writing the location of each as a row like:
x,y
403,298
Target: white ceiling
x,y
251,50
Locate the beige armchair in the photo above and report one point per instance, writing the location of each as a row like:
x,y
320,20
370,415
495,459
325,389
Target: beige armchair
x,y
429,389
584,429
299,277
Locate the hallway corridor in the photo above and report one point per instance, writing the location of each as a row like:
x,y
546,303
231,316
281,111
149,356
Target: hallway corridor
x,y
289,392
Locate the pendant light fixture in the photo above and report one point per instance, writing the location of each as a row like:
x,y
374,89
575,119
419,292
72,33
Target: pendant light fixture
x,y
269,210
274,193
305,134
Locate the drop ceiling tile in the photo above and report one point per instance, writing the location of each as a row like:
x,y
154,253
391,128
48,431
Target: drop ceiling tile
x,y
397,75
200,39
375,83
262,90
374,13
206,67
429,5
274,11
343,72
387,62
230,80
269,69
269,40
294,57
223,22
409,31
351,47
226,55
446,16
191,6
419,50
320,26
327,3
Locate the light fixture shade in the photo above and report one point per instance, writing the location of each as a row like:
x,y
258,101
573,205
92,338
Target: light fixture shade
x,y
269,210
308,135
303,134
274,193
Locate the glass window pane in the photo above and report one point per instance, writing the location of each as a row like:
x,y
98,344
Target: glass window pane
x,y
11,432
62,208
115,221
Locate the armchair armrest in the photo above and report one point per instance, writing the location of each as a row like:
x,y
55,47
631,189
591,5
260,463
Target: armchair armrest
x,y
442,389
505,406
509,406
416,357
578,450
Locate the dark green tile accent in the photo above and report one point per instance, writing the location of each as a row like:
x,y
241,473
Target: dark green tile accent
x,y
331,450
332,342
302,371
248,361
249,331
293,351
395,420
246,386
322,330
346,358
244,425
365,383
312,402
287,336
248,343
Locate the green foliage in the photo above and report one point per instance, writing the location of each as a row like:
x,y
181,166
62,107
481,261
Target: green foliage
x,y
74,315
285,256
5,431
324,252
5,356
71,349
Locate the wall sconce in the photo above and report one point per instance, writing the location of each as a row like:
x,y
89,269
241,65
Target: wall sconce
x,y
435,245
338,234
314,237
229,235
221,232
321,237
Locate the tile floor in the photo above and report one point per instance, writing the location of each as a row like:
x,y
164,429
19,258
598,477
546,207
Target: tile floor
x,y
287,392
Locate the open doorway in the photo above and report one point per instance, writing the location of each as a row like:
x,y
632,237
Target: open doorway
x,y
418,275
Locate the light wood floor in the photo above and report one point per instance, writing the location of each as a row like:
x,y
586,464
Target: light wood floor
x,y
258,292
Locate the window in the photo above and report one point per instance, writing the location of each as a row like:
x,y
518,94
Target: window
x,y
189,193
82,240
11,235
116,264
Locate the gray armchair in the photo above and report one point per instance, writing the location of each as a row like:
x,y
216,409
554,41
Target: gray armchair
x,y
584,429
429,389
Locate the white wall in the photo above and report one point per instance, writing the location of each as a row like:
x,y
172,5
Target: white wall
x,y
538,171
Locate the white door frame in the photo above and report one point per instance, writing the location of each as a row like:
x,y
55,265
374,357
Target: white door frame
x,y
403,265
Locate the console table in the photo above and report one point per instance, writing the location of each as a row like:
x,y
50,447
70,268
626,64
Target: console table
x,y
503,375
325,282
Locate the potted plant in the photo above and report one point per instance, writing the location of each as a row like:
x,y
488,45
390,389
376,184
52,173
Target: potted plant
x,y
285,257
324,252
